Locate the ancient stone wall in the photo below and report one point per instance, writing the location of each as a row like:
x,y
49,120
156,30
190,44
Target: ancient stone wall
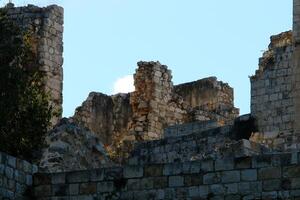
x,y
46,26
16,177
272,86
258,177
210,100
108,116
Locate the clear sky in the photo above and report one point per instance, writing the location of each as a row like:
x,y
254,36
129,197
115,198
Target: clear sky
x,y
104,39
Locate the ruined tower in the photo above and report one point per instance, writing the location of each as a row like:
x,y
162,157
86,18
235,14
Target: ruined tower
x,y
46,27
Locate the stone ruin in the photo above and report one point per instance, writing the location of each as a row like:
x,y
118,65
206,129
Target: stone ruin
x,y
155,105
163,141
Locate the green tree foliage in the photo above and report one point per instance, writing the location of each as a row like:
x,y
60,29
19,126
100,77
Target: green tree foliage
x,y
24,110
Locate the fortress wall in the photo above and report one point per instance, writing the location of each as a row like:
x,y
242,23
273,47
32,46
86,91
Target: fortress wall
x,y
16,177
259,177
46,27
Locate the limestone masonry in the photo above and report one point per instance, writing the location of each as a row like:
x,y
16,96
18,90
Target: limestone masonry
x,y
164,141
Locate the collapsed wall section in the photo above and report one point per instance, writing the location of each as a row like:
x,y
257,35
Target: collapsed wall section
x,y
272,86
45,25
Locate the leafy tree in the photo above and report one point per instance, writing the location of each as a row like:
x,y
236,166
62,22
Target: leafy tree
x,y
24,109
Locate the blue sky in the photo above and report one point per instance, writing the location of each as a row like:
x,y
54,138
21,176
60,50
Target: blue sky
x,y
104,39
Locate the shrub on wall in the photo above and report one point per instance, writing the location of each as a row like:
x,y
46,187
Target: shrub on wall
x,y
24,109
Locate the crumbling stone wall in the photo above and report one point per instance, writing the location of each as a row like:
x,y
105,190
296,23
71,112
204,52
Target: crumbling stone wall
x,y
209,99
272,86
46,26
153,102
154,105
108,116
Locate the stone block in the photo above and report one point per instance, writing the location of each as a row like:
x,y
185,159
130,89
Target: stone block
x,y
224,164
295,183
74,189
41,179
20,176
232,197
58,178
12,161
249,175
207,165
243,162
172,169
269,173
42,191
195,167
146,183
272,185
230,176
212,178
133,184
262,161
97,175
104,187
88,188
133,171
113,173
176,181
217,189
78,177
160,182
231,188
194,192
244,188
27,167
291,172
193,180
60,190
203,191
154,170
2,167
9,172
269,195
